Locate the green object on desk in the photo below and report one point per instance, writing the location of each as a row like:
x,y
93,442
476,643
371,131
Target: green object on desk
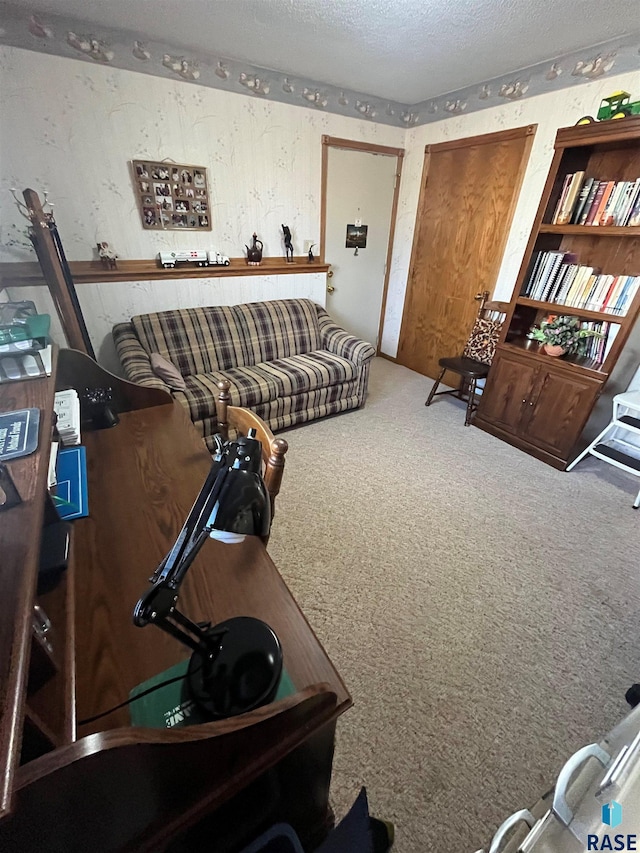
x,y
34,328
171,707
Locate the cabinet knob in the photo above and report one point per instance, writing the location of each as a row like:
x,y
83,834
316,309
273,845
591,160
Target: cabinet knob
x,y
524,401
531,404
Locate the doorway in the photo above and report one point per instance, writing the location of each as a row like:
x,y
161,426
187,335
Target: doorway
x,y
469,191
360,187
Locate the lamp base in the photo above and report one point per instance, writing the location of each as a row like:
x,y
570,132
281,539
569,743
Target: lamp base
x,y
244,674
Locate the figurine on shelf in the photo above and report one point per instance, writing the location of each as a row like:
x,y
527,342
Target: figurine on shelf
x,y
107,256
254,252
310,256
288,245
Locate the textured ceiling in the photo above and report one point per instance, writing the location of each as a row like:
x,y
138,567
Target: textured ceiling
x,y
404,50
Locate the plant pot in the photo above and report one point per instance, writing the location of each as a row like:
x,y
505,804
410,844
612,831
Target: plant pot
x,y
553,349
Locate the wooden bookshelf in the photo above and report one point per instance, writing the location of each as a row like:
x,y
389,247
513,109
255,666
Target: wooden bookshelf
x,y
531,400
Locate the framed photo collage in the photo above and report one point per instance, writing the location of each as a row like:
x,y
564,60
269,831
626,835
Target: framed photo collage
x,y
172,196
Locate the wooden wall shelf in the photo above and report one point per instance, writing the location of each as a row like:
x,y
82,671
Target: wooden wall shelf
x,y
91,272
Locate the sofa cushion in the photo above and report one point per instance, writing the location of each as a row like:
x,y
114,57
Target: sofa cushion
x,y
196,340
261,383
277,329
202,340
168,372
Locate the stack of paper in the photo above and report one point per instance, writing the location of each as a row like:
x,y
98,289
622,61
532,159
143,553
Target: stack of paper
x,y
67,408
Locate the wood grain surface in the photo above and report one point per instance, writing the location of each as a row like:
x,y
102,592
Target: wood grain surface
x,y
90,272
143,477
469,191
134,788
19,557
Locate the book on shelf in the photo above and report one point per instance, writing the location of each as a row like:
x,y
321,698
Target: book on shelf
x,y
582,201
628,192
554,273
630,196
561,198
604,198
557,278
584,213
579,286
634,216
588,201
568,276
548,269
607,217
597,296
574,185
598,349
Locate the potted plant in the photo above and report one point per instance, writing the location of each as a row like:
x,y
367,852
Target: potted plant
x,y
562,335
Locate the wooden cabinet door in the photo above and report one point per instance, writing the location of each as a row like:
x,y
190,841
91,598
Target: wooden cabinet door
x,y
508,391
558,409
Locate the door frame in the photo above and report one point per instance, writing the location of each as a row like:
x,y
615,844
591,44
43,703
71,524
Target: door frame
x,y
367,148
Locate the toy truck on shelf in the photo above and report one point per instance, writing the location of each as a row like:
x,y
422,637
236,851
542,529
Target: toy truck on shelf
x,y
202,259
617,105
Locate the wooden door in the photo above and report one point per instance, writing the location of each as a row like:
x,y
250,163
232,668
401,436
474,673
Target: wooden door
x,y
469,191
558,410
509,388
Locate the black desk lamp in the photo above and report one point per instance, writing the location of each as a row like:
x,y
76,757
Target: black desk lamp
x,y
236,665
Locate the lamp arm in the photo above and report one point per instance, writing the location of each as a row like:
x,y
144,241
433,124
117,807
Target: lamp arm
x,y
184,543
158,607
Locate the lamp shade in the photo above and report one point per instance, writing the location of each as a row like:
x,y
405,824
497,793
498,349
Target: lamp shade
x,y
243,506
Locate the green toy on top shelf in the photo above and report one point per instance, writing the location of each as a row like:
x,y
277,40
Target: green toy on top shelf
x,y
617,105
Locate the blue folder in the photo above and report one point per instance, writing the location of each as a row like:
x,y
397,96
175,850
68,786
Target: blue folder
x,y
70,498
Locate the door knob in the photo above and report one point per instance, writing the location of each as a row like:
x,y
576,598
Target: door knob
x,y
330,288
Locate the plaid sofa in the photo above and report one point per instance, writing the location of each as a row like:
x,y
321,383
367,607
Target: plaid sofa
x,y
287,360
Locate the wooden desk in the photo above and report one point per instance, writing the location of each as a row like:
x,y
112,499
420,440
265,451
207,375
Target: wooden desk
x,y
108,786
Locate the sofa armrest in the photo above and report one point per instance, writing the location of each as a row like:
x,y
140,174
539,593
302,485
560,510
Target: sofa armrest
x,y
134,358
337,340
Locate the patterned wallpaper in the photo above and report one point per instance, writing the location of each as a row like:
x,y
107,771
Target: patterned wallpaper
x,y
549,112
69,37
72,129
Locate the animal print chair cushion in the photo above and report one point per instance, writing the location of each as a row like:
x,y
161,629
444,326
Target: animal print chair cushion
x,y
481,345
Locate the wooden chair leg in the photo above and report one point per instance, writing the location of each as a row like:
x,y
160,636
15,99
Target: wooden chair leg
x,y
471,390
224,398
435,386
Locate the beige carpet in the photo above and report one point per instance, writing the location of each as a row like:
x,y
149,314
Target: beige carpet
x,y
482,608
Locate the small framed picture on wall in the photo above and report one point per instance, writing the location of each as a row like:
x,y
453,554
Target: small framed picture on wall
x,y
171,196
